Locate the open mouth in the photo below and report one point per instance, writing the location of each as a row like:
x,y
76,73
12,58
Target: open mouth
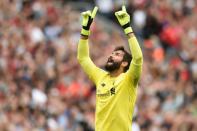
x,y
110,60
109,63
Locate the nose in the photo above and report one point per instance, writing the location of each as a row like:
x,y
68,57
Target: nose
x,y
111,56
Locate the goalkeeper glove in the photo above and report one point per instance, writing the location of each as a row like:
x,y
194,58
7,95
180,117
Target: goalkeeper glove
x,y
87,18
124,20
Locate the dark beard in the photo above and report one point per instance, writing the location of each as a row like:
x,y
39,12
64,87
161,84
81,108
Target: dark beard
x,y
112,67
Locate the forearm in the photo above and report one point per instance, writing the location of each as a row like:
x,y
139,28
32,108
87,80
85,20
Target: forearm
x,y
83,48
84,59
135,49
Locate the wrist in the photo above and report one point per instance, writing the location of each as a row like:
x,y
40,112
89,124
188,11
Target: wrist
x,y
85,32
128,30
130,35
84,37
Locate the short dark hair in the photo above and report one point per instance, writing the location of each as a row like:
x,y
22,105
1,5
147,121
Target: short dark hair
x,y
126,58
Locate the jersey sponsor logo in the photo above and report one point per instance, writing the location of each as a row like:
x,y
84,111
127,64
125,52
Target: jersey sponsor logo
x,y
104,95
110,92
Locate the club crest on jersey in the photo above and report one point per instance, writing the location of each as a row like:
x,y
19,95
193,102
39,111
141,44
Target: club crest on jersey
x,y
103,84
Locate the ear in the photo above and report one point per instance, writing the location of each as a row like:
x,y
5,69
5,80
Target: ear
x,y
124,64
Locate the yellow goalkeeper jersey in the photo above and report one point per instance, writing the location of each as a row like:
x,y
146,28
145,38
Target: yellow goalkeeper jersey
x,y
115,96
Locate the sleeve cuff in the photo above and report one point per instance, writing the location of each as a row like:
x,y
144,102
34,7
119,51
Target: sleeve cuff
x,y
128,30
85,32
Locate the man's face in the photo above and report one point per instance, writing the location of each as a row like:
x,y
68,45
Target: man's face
x,y
114,61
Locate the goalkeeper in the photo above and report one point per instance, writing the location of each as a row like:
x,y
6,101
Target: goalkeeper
x,y
116,87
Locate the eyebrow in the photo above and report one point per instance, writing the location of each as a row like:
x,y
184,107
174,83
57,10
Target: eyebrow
x,y
118,52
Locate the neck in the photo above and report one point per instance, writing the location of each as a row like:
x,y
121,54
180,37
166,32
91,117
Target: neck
x,y
116,73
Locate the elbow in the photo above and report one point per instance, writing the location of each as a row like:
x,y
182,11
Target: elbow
x,y
79,59
139,59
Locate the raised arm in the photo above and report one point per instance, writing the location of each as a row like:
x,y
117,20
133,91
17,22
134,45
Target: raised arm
x,y
135,68
83,48
133,74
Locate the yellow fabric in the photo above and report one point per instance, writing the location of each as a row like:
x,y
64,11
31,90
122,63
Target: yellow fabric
x,y
128,30
85,32
115,96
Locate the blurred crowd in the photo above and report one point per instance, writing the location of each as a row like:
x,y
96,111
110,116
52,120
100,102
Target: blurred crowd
x,y
43,88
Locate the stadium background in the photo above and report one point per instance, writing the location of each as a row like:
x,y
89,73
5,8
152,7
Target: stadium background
x,y
43,88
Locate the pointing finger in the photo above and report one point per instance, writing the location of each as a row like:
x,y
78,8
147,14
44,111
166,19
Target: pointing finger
x,y
94,11
124,8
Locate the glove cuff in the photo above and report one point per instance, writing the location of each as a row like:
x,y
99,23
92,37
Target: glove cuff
x,y
85,32
128,30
